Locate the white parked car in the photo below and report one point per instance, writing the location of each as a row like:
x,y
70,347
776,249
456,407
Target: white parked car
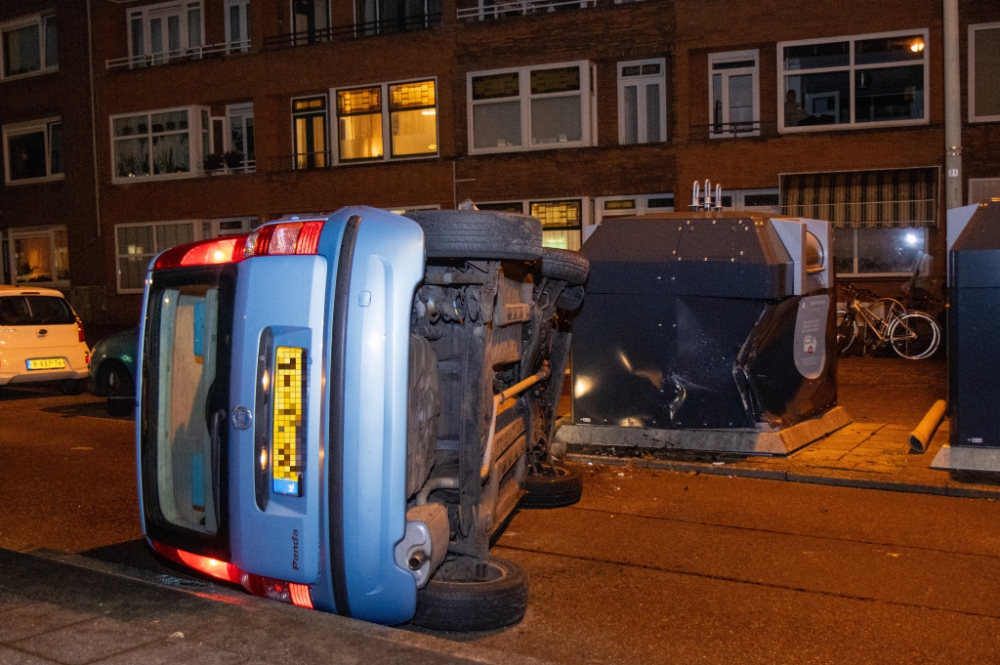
x,y
41,340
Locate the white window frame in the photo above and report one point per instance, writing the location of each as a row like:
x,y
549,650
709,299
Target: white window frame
x,y
864,275
386,111
145,14
198,142
32,127
588,106
975,181
640,81
40,20
972,72
241,45
323,32
754,72
196,234
851,69
239,113
34,232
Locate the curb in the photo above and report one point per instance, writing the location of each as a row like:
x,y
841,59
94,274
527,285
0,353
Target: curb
x,y
723,469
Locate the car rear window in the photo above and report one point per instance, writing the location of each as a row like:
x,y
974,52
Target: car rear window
x,y
35,310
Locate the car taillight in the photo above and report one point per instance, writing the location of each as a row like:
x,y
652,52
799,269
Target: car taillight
x,y
79,330
258,585
203,253
284,238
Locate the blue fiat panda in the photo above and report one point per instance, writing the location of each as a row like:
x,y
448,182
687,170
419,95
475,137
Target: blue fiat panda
x,y
342,412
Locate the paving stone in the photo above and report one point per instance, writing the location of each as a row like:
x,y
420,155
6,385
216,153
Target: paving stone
x,y
173,650
36,618
10,656
89,641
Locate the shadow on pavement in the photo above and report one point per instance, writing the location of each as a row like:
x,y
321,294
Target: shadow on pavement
x,y
87,409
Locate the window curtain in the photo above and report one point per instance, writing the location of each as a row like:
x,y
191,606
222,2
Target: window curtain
x,y
864,199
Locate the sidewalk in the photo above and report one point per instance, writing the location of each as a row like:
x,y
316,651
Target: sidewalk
x,y
72,610
886,397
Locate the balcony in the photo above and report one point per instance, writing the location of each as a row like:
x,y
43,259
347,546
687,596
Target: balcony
x,y
399,25
486,10
184,55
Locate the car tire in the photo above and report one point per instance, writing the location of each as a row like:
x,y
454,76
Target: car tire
x,y
465,595
555,486
570,299
117,385
459,234
73,386
563,264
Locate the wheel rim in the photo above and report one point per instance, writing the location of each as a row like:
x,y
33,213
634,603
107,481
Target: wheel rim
x,y
914,336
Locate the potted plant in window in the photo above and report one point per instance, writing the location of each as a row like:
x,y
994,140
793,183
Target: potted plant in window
x,y
212,162
233,159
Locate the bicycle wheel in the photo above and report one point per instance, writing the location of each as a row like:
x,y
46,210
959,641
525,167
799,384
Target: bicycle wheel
x,y
847,331
915,336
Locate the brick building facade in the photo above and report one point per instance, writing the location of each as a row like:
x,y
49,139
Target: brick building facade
x,y
189,119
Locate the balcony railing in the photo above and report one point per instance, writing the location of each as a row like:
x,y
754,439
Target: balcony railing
x,y
185,55
485,10
368,29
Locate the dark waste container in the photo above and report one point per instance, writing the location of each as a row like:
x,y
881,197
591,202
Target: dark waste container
x,y
705,321
973,331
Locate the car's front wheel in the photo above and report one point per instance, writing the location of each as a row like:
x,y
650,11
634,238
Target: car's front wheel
x,y
117,385
466,595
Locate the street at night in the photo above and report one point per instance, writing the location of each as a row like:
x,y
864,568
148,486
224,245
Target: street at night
x,y
652,566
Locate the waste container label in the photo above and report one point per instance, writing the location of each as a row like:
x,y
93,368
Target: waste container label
x,y
810,336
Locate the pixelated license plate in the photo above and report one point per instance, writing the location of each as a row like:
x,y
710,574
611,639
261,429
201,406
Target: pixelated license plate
x,y
288,437
46,363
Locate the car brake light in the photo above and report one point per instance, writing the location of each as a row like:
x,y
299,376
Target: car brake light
x,y
79,330
284,238
203,253
258,585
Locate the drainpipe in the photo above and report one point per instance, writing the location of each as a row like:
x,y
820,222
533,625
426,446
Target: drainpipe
x,y
93,117
952,108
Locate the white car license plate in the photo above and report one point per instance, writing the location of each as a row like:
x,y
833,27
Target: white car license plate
x,y
46,363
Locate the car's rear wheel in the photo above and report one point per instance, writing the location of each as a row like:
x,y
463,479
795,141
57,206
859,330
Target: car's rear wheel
x,y
117,385
570,267
466,595
73,386
458,234
554,486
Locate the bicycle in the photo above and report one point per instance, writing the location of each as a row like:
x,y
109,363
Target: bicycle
x,y
913,335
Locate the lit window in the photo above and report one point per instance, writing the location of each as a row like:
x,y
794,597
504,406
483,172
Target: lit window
x,y
40,255
410,121
642,102
160,33
33,151
854,81
735,94
159,144
562,222
29,46
984,72
532,108
877,251
309,132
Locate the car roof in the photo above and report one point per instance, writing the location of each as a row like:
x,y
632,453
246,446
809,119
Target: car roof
x,y
9,290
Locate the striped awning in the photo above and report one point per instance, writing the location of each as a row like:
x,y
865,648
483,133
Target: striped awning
x,y
863,199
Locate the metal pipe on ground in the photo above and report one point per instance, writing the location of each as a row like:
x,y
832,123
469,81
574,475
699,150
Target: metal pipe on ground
x,y
922,435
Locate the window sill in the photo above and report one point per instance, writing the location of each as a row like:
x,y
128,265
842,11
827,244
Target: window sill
x,y
27,75
555,145
985,118
34,181
846,126
117,180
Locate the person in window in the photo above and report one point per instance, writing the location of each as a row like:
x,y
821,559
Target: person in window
x,y
794,113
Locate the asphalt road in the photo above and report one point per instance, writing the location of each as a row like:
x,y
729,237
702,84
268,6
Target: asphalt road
x,y
650,567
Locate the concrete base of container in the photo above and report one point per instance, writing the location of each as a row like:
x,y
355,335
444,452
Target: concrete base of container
x,y
967,458
750,442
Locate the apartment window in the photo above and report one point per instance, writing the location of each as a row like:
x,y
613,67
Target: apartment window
x,y
562,222
409,119
309,132
981,189
631,206
237,26
241,137
39,255
159,144
532,108
138,243
877,251
376,17
33,151
984,72
642,101
160,33
30,46
854,81
734,86
312,21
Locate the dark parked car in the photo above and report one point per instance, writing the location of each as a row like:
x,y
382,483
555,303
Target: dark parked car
x,y
112,370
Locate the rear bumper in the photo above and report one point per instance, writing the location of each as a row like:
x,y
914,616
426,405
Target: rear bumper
x,y
41,376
